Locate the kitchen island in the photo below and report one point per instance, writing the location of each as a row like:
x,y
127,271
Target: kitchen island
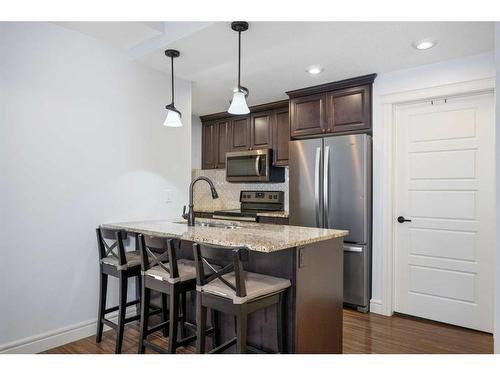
x,y
311,258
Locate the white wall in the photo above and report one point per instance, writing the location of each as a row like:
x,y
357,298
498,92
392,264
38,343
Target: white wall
x,y
497,255
196,142
447,72
81,143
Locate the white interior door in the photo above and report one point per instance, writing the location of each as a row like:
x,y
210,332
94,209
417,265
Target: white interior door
x,y
445,176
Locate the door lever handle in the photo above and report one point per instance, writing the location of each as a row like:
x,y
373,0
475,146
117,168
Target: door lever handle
x,y
401,219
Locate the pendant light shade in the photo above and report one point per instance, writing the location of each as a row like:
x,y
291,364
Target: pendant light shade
x,y
239,104
173,119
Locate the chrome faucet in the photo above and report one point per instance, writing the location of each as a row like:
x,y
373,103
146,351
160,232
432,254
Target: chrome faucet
x,y
189,216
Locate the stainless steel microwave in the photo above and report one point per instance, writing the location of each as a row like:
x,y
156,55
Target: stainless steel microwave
x,y
253,166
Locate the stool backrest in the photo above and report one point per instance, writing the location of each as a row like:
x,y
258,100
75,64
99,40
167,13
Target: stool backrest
x,y
110,243
229,258
159,251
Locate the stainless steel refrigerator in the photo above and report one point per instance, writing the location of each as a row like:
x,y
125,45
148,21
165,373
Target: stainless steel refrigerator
x,y
330,187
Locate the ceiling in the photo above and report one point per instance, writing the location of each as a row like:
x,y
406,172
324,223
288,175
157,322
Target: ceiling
x,y
275,55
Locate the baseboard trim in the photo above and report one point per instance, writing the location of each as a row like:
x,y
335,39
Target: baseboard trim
x,y
376,307
53,339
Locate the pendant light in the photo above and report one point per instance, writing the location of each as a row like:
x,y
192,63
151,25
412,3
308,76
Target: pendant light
x,y
239,103
173,119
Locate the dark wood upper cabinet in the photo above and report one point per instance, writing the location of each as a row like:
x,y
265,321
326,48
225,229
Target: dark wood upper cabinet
x,y
349,109
308,115
266,127
223,141
261,132
281,136
209,145
337,107
240,134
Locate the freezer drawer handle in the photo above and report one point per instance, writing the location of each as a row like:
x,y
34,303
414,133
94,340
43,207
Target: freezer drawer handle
x,y
353,249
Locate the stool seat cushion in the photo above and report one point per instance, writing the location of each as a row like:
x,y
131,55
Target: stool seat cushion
x,y
186,268
257,285
133,260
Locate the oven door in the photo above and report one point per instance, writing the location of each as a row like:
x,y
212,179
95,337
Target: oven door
x,y
248,166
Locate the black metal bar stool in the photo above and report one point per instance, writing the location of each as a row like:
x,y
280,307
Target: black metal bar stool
x,y
162,272
115,261
234,291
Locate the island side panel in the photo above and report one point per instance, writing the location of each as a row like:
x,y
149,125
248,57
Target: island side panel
x,y
319,297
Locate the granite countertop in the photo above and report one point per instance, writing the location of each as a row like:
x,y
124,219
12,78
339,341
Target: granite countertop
x,y
257,237
283,214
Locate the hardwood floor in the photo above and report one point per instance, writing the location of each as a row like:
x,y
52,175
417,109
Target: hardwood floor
x,y
363,333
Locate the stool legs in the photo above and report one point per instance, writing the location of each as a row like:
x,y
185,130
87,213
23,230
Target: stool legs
x,y
215,325
164,309
201,324
281,322
103,289
122,306
138,291
174,321
183,315
146,299
241,332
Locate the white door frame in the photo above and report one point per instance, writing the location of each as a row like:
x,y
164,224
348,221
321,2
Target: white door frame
x,y
386,305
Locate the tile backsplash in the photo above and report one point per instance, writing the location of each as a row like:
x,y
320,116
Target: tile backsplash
x,y
229,192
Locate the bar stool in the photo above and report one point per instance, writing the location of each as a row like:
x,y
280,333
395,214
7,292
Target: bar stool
x,y
170,276
114,261
234,291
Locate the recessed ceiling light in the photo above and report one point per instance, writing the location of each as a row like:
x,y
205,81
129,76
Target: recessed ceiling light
x,y
424,44
314,70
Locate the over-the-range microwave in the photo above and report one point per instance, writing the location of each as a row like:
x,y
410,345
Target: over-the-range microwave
x,y
253,166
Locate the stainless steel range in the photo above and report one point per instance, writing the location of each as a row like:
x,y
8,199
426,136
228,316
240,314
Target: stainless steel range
x,y
253,202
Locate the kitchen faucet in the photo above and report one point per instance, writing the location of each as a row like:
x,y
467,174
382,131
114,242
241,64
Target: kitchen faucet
x,y
189,216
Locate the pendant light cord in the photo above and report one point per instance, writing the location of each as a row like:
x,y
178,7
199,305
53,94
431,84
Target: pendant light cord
x,y
239,58
172,60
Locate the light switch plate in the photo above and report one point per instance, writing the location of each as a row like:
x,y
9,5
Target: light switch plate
x,y
167,195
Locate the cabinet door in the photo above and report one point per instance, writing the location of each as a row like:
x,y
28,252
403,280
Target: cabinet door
x,y
261,132
209,146
281,136
308,115
349,109
240,134
223,142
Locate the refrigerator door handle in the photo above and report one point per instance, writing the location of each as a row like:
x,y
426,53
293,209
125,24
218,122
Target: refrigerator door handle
x,y
316,184
326,185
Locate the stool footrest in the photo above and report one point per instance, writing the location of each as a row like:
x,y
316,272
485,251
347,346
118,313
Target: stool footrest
x,y
157,327
185,341
223,346
109,323
132,318
115,308
155,347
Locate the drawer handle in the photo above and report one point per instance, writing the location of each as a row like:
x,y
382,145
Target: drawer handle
x,y
353,249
